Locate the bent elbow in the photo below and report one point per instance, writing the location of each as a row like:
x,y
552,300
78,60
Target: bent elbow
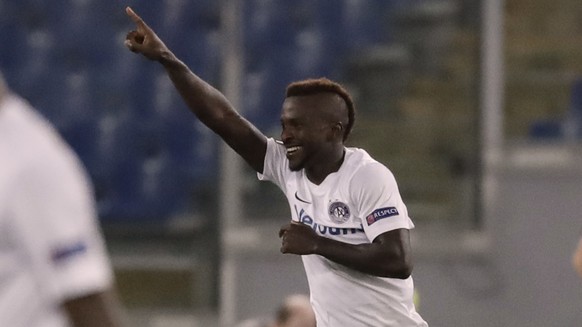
x,y
402,271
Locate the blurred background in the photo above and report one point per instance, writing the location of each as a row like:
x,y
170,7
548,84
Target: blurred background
x,y
475,105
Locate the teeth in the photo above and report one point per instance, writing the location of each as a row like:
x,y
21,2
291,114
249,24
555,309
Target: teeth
x,y
292,149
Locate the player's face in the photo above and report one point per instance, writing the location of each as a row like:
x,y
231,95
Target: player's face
x,y
306,132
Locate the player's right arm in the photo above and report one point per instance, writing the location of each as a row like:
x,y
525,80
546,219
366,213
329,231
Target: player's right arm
x,y
98,309
205,101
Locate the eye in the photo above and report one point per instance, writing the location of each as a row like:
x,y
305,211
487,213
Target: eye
x,y
291,124
296,124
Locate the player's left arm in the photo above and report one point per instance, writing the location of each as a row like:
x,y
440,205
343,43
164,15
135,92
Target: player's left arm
x,y
385,221
387,256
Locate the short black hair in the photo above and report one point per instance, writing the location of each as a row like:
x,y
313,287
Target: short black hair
x,y
324,85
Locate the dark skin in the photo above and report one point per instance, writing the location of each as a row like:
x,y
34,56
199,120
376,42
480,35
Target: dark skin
x,y
312,131
94,310
386,256
314,126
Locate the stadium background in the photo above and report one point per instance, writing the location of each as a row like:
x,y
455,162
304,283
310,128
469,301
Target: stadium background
x,y
475,106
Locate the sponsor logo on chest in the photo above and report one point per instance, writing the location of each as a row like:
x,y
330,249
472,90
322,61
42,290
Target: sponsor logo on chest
x,y
339,212
304,218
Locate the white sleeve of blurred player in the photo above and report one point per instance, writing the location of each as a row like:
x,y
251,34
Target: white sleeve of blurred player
x,y
55,216
59,232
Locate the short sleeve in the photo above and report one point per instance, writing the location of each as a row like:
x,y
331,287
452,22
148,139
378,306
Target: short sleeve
x,y
379,204
56,222
275,164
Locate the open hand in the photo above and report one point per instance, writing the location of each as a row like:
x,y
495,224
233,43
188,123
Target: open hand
x,y
298,238
144,40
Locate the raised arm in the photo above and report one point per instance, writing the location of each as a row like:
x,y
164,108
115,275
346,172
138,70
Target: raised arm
x,y
205,101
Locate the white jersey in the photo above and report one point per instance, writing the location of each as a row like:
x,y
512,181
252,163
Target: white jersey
x,y
51,248
353,205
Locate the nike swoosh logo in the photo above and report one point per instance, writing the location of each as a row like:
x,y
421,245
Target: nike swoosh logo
x,y
300,199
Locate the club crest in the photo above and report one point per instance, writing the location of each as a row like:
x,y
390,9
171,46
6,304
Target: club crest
x,y
339,212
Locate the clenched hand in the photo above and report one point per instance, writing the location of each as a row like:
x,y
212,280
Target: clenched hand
x,y
298,238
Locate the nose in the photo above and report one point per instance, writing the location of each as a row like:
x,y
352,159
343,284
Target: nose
x,y
285,135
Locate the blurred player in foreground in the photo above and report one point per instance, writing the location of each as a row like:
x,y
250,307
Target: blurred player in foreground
x,y
54,270
348,220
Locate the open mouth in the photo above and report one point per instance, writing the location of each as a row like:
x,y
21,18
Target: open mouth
x,y
292,150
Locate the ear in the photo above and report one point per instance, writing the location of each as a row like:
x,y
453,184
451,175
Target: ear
x,y
338,130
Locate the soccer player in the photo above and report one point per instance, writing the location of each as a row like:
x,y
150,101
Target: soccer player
x,y
349,223
54,271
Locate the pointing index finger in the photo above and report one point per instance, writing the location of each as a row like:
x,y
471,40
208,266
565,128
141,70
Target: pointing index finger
x,y
136,19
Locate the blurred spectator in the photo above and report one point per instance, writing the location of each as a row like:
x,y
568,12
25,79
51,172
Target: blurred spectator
x,y
55,270
294,311
577,258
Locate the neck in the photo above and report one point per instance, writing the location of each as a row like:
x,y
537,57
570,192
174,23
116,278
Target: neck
x,y
317,173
